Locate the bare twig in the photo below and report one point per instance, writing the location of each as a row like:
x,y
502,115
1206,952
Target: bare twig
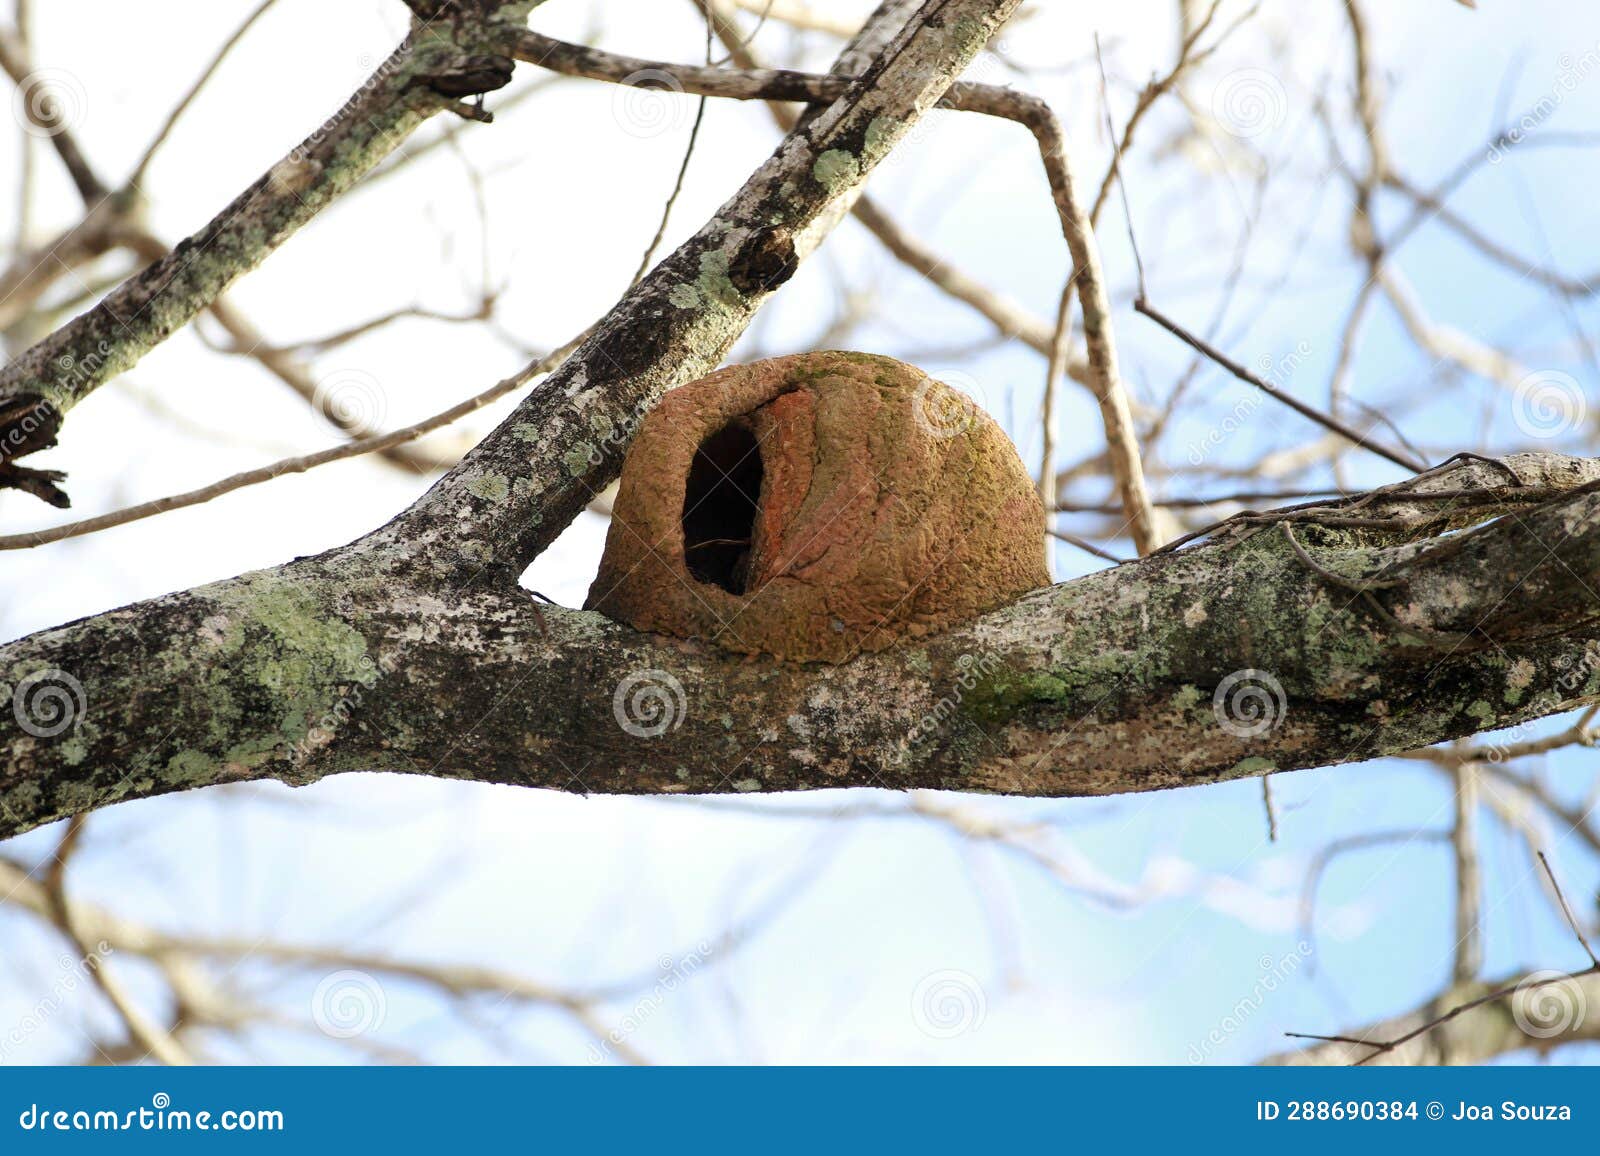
x,y
1325,420
1380,1048
136,178
1047,407
375,443
1566,909
683,172
41,110
1085,545
775,85
155,1042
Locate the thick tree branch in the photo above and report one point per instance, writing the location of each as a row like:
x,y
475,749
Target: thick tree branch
x,y
373,443
527,480
1457,603
1010,318
1135,678
776,84
425,74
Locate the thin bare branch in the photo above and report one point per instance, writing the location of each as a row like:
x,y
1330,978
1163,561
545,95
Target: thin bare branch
x,y
1327,421
374,443
136,178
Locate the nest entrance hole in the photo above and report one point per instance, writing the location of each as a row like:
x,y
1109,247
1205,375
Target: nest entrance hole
x,y
720,501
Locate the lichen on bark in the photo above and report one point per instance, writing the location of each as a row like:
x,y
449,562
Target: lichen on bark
x,y
413,650
111,337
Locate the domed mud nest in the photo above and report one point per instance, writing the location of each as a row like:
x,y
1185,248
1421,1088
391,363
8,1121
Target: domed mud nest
x,y
817,506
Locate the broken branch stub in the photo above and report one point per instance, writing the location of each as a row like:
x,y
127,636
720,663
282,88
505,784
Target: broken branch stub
x,y
816,506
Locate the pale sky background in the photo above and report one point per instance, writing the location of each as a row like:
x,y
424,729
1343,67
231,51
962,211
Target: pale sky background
x,y
852,917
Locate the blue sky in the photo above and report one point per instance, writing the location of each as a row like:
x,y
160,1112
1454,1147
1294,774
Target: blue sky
x,y
851,916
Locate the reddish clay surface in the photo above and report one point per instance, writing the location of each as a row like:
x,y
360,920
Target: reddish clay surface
x,y
890,506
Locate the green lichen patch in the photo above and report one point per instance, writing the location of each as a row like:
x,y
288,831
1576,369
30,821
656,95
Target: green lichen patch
x,y
1251,767
277,657
190,768
836,170
880,138
713,283
1187,698
490,487
1518,679
994,701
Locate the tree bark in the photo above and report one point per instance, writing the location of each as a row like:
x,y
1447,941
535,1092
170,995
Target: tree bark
x,y
436,64
1461,605
525,482
288,654
1228,659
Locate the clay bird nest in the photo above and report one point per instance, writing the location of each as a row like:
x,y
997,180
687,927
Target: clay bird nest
x,y
817,506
